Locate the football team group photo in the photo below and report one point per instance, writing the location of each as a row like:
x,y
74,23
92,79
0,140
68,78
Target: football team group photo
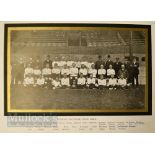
x,y
58,73
77,70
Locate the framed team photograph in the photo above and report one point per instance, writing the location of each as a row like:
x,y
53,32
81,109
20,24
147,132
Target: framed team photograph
x,y
77,69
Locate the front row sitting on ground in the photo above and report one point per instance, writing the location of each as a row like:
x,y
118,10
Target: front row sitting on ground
x,y
76,83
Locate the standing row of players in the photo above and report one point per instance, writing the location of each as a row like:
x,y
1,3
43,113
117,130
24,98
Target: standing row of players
x,y
53,70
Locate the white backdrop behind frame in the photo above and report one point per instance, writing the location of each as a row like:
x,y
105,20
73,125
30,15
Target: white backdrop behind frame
x,y
143,123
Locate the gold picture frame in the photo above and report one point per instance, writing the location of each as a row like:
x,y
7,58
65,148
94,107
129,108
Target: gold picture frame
x,y
78,27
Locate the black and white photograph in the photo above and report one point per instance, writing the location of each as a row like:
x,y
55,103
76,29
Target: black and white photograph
x,y
77,68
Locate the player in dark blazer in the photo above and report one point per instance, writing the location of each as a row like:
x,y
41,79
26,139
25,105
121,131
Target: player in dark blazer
x,y
99,62
109,62
48,61
117,66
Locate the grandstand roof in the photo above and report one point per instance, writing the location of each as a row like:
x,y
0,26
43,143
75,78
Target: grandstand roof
x,y
77,42
77,38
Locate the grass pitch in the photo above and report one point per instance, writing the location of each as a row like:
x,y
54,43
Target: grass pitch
x,y
32,98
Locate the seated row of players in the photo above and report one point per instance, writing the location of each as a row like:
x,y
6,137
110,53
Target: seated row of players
x,y
81,82
72,72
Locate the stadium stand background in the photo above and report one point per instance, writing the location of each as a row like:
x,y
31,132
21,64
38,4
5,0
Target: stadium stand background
x,y
80,44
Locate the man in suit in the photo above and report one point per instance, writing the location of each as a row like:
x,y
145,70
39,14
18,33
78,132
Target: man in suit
x,y
117,66
134,72
109,62
99,62
48,61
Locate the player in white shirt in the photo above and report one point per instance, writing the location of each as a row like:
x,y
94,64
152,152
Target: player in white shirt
x,y
56,71
122,82
28,81
62,62
69,63
37,72
65,70
46,72
83,70
65,83
56,83
77,62
110,71
81,82
89,64
102,82
93,71
112,84
101,71
40,82
73,73
91,81
28,70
